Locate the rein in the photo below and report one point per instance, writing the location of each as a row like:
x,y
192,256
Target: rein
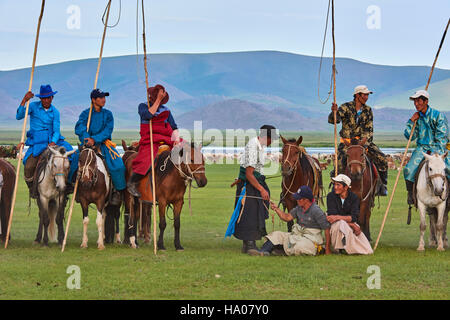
x,y
429,179
363,166
87,166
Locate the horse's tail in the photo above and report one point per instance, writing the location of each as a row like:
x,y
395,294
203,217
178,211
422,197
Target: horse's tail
x,y
52,225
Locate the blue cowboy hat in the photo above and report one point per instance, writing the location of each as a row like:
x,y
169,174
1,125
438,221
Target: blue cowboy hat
x,y
46,91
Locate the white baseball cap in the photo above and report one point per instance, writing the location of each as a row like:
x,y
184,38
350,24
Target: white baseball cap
x,y
361,89
420,93
342,178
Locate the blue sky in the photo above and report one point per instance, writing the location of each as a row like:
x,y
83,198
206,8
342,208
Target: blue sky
x,y
393,32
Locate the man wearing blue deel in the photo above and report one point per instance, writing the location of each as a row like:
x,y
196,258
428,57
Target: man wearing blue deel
x,y
44,131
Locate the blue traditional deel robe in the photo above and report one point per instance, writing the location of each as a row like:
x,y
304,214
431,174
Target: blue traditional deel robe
x,y
431,133
101,128
44,129
235,215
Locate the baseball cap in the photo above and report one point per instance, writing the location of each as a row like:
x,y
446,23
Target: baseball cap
x,y
303,192
420,93
97,93
342,178
361,89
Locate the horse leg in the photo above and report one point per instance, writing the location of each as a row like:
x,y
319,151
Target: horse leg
x,y
133,225
43,212
176,224
432,240
85,208
444,236
440,226
100,221
60,218
116,220
162,225
423,226
147,224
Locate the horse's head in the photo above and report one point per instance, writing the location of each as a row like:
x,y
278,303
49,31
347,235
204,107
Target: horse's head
x,y
356,158
87,166
435,172
59,166
194,162
291,152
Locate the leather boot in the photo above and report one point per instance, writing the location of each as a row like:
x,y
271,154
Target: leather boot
x,y
132,184
244,246
409,188
31,189
116,198
382,189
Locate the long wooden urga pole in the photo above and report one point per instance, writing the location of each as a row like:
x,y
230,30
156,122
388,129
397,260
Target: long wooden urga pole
x,y
24,127
75,189
334,92
409,141
152,157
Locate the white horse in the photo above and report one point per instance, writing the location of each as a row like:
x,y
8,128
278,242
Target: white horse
x,y
432,192
52,198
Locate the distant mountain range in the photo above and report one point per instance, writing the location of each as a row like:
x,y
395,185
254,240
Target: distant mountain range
x,y
228,90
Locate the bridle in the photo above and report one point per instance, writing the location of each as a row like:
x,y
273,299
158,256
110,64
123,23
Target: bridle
x,y
429,179
292,172
86,168
363,166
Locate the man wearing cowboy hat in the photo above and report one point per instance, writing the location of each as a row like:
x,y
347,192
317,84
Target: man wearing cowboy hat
x,y
357,123
343,213
431,133
44,131
165,135
99,134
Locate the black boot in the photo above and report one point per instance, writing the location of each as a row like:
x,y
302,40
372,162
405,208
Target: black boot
x,y
32,189
409,188
244,246
133,184
116,198
382,189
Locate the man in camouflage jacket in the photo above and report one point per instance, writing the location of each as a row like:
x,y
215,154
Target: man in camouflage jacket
x,y
357,123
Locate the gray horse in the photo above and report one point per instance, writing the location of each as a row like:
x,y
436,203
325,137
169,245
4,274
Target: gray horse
x,y
53,170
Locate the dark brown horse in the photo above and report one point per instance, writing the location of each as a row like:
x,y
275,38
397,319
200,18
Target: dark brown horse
x,y
174,170
7,180
298,169
364,181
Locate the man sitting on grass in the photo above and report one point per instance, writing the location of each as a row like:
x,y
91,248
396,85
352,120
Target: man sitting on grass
x,y
306,235
343,212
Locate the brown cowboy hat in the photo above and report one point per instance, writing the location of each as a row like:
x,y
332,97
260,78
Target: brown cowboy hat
x,y
153,93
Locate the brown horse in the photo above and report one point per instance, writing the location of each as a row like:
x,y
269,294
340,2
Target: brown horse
x,y
364,181
174,170
7,181
94,187
298,169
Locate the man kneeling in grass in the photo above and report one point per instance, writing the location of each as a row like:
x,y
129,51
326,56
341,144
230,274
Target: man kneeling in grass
x,y
343,212
306,236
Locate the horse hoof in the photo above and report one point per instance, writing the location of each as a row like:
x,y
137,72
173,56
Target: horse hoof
x,y
440,249
180,250
420,249
102,247
433,244
83,246
35,243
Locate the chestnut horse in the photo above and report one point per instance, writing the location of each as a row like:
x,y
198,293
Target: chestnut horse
x,y
7,180
298,169
364,181
174,170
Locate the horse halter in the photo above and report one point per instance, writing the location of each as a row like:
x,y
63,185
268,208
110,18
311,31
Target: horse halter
x,y
293,166
87,166
361,163
60,173
429,179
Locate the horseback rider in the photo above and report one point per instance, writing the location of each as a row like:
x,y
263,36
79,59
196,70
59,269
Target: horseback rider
x,y
165,134
44,131
431,132
99,135
357,123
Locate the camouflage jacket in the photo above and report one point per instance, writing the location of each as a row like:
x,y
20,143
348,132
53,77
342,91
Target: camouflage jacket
x,y
352,125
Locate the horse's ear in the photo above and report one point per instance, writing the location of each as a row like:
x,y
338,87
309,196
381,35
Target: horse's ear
x,y
124,145
80,147
283,139
299,140
444,155
426,155
363,141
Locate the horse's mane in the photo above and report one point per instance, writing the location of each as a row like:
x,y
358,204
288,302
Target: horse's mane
x,y
45,158
159,163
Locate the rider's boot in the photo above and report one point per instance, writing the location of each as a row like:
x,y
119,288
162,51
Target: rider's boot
x,y
133,184
409,188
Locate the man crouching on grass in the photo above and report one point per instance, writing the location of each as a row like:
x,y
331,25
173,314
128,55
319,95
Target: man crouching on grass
x,y
306,236
343,212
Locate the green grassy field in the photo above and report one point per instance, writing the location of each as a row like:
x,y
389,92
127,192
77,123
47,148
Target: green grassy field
x,y
310,139
213,268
